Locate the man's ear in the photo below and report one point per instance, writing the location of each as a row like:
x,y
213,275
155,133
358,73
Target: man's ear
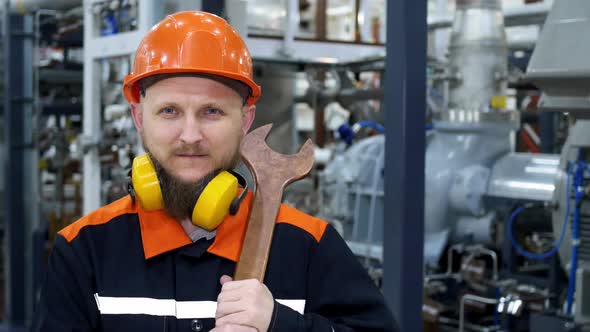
x,y
248,113
137,114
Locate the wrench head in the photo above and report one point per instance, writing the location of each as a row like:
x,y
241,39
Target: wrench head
x,y
275,167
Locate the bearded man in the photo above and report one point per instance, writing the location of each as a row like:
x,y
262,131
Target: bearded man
x,y
153,260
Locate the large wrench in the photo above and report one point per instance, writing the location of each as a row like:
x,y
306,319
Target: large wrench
x,y
272,172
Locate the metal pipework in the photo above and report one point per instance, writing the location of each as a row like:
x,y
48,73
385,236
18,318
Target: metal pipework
x,y
474,298
25,6
478,58
459,248
529,14
343,91
476,250
481,251
478,67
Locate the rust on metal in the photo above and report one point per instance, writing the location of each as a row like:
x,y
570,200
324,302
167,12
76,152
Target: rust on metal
x,y
272,172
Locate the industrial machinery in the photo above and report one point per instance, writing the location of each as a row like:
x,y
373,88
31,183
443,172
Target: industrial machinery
x,y
505,231
491,212
505,242
563,79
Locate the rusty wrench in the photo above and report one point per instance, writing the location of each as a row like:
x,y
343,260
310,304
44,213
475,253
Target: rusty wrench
x,y
272,172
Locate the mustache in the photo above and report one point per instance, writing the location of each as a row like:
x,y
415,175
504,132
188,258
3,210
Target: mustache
x,y
190,150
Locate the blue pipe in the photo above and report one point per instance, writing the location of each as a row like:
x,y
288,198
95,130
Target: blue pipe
x,y
579,194
371,124
347,134
574,265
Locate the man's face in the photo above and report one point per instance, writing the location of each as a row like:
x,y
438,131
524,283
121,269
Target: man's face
x,y
192,125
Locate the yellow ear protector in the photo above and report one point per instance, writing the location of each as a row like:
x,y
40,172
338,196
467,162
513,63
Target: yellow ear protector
x,y
216,201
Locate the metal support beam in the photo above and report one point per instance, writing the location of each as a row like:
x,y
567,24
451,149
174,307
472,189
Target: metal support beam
x,y
20,190
214,7
320,19
357,27
405,103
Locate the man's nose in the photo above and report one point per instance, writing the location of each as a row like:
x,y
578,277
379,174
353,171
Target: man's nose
x,y
191,131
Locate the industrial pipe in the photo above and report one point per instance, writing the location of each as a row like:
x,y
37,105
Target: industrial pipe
x,y
518,16
27,6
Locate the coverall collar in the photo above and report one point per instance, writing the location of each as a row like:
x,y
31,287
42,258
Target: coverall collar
x,y
161,233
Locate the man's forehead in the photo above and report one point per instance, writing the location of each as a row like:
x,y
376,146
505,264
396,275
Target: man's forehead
x,y
241,89
181,90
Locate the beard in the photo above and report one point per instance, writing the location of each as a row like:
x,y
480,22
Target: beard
x,y
180,196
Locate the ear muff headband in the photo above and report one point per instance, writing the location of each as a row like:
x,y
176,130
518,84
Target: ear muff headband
x,y
235,204
216,200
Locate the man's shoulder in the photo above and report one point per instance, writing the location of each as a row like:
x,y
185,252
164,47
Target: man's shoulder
x,y
312,225
99,216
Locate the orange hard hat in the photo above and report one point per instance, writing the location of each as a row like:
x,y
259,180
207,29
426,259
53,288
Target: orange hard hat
x,y
192,42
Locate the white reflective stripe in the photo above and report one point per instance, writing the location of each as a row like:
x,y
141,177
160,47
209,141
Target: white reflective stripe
x,y
195,309
297,305
135,305
169,307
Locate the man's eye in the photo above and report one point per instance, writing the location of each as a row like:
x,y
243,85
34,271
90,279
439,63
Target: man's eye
x,y
168,111
213,111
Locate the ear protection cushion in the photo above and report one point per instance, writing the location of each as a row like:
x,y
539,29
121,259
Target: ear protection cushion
x,y
146,184
211,207
215,200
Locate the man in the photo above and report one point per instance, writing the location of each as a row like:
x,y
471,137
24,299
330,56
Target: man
x,y
125,267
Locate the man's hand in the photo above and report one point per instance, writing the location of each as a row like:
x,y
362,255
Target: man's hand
x,y
244,302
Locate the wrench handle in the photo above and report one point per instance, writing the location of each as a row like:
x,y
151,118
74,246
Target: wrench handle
x,y
272,172
257,241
